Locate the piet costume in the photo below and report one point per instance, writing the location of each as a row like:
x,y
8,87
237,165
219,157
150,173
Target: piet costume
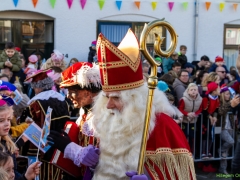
x,y
85,76
167,153
37,109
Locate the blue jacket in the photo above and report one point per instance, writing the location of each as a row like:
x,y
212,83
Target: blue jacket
x,y
167,64
214,67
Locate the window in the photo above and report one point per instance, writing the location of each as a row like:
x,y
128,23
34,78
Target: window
x,y
37,32
231,42
232,36
115,32
5,31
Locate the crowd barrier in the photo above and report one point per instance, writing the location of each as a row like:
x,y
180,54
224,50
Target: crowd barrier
x,y
198,140
217,142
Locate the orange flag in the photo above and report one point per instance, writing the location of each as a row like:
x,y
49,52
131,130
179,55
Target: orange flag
x,y
137,3
34,3
235,6
207,4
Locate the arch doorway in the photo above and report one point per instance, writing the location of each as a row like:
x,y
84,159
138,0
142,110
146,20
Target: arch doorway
x,y
32,32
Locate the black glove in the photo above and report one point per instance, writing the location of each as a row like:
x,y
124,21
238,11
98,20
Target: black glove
x,y
58,140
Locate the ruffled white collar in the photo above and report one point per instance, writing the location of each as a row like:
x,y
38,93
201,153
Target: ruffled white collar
x,y
45,95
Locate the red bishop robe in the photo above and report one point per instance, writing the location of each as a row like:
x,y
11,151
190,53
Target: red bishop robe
x,y
168,154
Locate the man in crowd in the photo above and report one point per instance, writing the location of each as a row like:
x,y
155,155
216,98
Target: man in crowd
x,y
176,67
83,83
200,65
224,78
119,120
189,67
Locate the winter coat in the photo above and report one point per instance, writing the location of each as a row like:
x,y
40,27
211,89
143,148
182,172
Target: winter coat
x,y
214,67
179,87
49,63
91,54
182,59
190,105
223,110
167,64
15,60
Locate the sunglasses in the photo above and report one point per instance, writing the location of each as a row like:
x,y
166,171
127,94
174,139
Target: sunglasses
x,y
222,71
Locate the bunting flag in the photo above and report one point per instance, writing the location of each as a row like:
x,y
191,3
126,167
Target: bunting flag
x,y
235,6
34,3
154,5
137,3
52,2
170,5
119,4
221,6
101,3
15,2
69,3
83,2
185,5
207,4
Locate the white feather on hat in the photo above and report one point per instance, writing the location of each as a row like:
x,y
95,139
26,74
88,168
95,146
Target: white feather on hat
x,y
87,75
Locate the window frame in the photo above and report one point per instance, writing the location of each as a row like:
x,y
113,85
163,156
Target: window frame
x,y
132,26
229,46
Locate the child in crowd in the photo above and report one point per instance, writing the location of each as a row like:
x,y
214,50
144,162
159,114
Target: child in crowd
x,y
56,59
6,164
92,52
219,61
6,144
10,58
210,112
182,58
227,124
191,106
72,62
3,174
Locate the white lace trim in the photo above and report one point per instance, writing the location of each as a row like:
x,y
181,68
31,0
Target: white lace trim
x,y
45,95
73,152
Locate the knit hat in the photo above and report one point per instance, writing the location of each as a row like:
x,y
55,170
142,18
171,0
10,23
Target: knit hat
x,y
158,59
224,88
33,59
219,59
162,86
41,80
93,43
188,65
212,86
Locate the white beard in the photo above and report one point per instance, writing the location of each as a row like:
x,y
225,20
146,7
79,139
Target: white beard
x,y
120,133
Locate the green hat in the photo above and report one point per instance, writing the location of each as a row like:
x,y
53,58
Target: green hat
x,y
158,59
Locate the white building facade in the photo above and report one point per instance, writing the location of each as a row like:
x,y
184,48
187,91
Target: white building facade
x,y
71,30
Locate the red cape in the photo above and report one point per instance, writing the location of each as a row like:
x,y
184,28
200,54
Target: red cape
x,y
168,154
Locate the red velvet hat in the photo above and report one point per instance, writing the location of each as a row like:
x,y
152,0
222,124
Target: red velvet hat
x,y
120,67
81,73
